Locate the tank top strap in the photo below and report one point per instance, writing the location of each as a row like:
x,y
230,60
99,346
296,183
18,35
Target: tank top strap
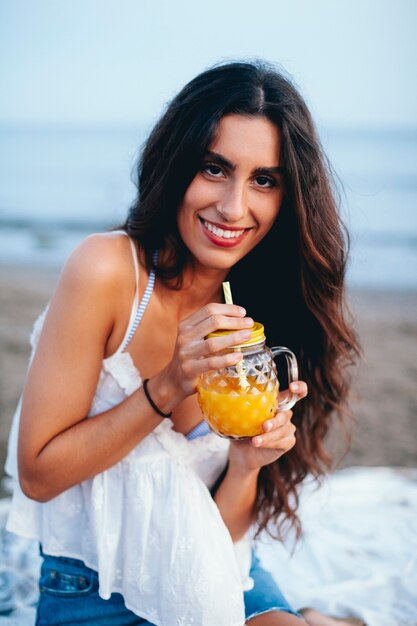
x,y
137,312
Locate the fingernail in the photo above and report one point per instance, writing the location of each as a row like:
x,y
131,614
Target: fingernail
x,y
246,334
258,441
249,322
267,426
242,310
295,387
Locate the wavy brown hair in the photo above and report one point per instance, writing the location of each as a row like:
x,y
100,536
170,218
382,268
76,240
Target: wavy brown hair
x,y
301,263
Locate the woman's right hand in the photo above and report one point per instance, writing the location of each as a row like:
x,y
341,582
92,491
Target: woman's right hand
x,y
195,354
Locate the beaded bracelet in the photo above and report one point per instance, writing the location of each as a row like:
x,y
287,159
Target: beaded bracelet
x,y
151,402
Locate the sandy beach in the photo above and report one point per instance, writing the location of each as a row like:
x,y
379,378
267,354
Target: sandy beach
x,y
384,392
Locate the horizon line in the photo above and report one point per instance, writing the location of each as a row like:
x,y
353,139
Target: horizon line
x,y
85,126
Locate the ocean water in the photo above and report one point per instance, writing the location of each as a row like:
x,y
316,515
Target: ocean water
x,y
59,184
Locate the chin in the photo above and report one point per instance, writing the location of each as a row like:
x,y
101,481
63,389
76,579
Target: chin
x,y
218,260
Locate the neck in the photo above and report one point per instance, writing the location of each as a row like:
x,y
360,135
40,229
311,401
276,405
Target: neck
x,y
199,287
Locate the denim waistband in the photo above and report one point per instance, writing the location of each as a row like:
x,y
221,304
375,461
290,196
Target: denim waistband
x,y
55,560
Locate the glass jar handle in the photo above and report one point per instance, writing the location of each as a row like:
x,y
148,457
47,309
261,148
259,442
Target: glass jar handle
x,y
292,370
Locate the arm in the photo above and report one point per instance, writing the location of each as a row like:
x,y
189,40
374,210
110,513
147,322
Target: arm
x,y
59,447
236,498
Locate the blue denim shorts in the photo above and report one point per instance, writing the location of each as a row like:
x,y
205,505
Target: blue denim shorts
x,y
69,595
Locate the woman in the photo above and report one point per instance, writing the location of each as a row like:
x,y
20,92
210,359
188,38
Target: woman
x,y
232,183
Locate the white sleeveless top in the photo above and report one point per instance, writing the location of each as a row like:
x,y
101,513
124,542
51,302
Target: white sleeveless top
x,y
148,525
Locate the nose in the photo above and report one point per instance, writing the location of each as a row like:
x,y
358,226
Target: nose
x,y
233,204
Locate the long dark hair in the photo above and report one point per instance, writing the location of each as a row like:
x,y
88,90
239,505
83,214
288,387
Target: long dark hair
x,y
293,281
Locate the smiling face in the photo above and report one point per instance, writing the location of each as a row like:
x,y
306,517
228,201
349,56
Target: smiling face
x,y
234,199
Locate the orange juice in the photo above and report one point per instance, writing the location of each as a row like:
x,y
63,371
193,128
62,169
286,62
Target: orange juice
x,y
236,400
237,413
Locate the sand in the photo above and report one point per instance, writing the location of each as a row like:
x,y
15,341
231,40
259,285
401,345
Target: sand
x,y
384,390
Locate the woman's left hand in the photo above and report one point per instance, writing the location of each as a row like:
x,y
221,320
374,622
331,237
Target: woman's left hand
x,y
278,437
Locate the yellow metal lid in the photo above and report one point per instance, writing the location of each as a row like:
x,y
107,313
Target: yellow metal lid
x,y
257,335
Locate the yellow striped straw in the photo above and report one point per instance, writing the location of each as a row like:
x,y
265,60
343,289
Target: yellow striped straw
x,y
227,293
243,381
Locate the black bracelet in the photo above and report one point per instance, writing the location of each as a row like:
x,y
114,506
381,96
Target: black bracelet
x,y
151,402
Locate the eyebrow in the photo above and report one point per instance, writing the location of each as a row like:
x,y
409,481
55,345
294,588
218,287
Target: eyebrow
x,y
259,171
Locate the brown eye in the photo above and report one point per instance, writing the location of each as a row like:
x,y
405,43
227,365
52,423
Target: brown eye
x,y
213,170
265,181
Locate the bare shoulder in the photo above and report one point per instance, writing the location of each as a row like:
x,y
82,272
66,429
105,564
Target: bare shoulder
x,y
97,282
102,257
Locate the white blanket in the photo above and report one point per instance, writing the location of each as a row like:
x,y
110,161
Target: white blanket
x,y
358,555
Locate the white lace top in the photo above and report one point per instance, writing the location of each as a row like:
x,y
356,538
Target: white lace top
x,y
148,524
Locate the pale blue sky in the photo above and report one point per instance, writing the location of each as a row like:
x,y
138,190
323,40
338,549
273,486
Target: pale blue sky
x,y
119,61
